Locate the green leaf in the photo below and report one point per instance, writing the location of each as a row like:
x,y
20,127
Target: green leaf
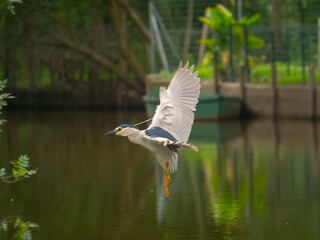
x,y
4,226
10,5
224,10
34,225
253,20
254,42
210,22
2,172
32,172
20,166
243,20
3,103
17,222
4,82
208,42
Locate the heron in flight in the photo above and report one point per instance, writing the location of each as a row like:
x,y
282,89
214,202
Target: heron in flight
x,y
171,124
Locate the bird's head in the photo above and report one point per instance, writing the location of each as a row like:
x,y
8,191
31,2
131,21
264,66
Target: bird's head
x,y
123,130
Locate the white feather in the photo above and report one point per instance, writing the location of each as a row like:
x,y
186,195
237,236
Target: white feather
x,y
175,113
165,142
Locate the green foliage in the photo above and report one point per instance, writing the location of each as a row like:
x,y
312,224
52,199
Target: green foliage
x,y
254,42
77,21
165,75
20,166
4,226
209,42
205,71
2,172
3,97
219,19
19,170
10,5
261,73
23,228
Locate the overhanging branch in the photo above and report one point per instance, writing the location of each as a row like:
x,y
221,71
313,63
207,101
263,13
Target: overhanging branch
x,y
98,58
135,19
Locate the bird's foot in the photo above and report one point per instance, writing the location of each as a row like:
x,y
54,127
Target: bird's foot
x,y
167,181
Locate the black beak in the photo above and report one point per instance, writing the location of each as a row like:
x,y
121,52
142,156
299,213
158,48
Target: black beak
x,y
113,132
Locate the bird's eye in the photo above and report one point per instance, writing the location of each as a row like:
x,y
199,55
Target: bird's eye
x,y
119,129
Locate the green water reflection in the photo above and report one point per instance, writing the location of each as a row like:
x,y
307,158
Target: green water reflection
x,y
250,180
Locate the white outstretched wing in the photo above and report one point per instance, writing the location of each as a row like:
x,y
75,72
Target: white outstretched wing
x,y
175,113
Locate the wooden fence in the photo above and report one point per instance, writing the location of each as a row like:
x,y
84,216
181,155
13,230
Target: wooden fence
x,y
291,101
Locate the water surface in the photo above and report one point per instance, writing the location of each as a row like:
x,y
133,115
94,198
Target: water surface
x,y
250,180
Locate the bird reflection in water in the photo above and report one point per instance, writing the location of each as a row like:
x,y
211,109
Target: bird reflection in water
x,y
171,124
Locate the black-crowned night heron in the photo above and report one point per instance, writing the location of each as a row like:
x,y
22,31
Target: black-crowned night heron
x,y
171,124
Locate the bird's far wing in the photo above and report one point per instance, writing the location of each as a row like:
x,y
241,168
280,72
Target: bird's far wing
x,y
175,113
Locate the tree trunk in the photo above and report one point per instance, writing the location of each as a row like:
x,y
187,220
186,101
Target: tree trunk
x,y
30,54
187,38
6,48
135,19
93,55
93,71
69,39
301,11
124,47
276,19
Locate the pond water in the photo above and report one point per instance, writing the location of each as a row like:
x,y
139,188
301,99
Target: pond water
x,y
257,179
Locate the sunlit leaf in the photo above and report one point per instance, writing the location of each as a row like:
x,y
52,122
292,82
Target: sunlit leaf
x,y
224,10
2,172
210,22
253,20
254,42
4,226
208,42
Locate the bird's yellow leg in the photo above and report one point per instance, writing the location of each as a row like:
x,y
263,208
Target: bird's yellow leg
x,y
167,180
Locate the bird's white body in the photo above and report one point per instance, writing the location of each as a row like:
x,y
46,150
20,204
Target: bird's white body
x,y
163,153
171,124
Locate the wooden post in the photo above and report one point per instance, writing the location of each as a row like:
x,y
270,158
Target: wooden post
x,y
231,54
215,78
312,84
274,89
246,51
242,88
242,83
202,47
152,41
273,76
288,51
303,57
319,44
